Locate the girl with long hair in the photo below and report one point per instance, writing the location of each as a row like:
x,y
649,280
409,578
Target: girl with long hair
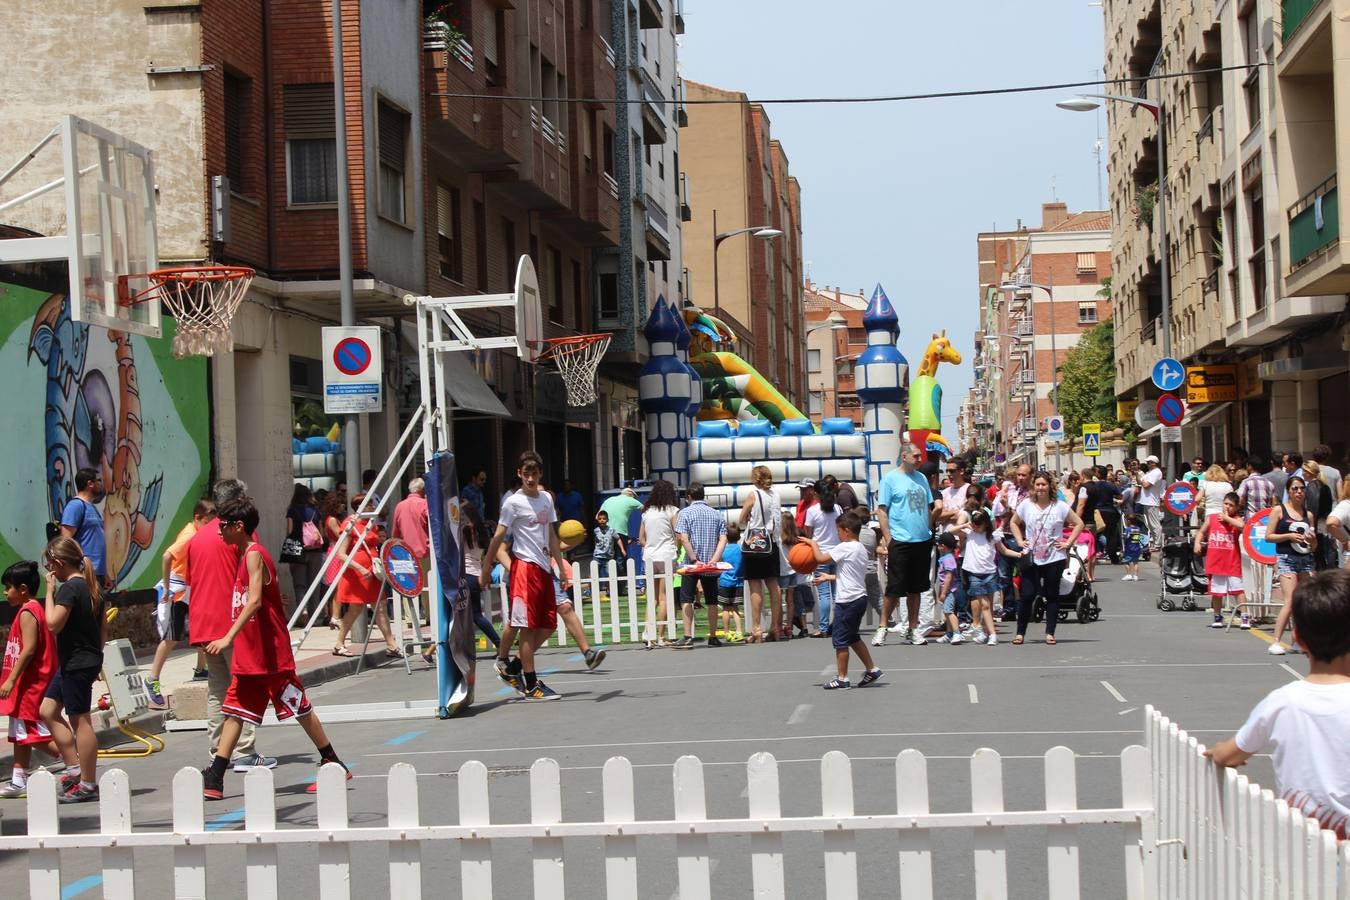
x,y
657,539
1038,524
762,512
359,586
821,527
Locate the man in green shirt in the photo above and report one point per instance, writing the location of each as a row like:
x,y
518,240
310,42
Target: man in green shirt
x,y
619,508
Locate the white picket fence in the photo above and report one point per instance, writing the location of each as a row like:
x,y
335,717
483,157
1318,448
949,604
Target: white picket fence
x,y
1221,835
914,829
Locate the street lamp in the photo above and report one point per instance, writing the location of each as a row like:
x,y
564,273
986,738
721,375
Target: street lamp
x,y
1012,286
1087,103
763,232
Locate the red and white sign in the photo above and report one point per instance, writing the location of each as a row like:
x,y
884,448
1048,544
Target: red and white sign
x,y
1180,498
1254,542
352,367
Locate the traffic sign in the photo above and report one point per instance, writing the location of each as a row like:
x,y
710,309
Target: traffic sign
x,y
1180,498
352,370
1170,434
1168,374
1254,538
400,568
1054,428
1145,416
1170,409
1092,439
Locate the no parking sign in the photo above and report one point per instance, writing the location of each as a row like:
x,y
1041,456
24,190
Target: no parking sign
x,y
401,568
1254,538
352,369
1180,498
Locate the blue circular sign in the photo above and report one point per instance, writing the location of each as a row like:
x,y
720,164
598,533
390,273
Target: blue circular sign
x,y
1254,538
1180,498
1170,410
401,568
351,356
1168,374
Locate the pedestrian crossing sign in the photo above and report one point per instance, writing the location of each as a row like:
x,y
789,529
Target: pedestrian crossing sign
x,y
1092,440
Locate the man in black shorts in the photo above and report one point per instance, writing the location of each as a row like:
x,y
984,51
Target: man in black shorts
x,y
906,511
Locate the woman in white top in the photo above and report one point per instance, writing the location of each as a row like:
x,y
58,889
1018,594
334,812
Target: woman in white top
x,y
1038,524
762,510
1213,488
657,539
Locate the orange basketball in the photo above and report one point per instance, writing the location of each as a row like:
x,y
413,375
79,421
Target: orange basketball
x,y
802,558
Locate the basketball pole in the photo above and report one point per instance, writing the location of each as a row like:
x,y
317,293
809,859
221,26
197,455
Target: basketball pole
x,y
351,443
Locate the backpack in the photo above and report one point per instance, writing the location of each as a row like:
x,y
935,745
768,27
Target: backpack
x,y
54,526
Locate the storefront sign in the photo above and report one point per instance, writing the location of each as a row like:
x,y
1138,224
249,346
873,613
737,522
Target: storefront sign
x,y
1249,383
1211,384
1125,410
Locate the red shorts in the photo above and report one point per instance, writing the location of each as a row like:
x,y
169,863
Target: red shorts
x,y
248,696
28,732
534,601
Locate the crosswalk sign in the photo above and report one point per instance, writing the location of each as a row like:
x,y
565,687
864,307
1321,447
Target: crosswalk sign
x,y
1092,440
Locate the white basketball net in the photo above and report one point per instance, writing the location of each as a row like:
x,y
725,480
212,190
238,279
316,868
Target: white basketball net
x,y
203,303
578,363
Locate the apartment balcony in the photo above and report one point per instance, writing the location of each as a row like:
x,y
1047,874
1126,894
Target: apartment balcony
x,y
1027,426
653,111
593,61
483,135
657,231
1024,328
1294,14
686,212
679,16
649,14
1314,233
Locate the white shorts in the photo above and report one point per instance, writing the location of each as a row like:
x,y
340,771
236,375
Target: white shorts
x,y
1225,585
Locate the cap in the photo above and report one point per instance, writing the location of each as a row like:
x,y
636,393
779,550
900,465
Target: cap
x,y
806,483
947,539
629,492
1150,458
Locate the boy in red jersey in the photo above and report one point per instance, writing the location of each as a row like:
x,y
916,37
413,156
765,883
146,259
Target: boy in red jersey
x,y
1223,562
262,666
30,662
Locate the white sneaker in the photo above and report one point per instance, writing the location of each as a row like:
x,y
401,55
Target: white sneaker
x,y
956,638
879,639
1127,578
977,635
915,639
1275,650
991,640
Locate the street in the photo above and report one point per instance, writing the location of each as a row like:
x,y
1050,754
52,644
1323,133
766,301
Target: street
x,y
722,705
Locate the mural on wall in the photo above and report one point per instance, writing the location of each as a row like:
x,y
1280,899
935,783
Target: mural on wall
x,y
111,401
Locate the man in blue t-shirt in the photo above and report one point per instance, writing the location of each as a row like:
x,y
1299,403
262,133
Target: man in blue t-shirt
x,y
906,511
81,520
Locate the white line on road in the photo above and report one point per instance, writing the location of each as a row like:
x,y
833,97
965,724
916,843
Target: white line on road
x,y
1112,691
974,694
1293,672
829,671
1124,711
799,714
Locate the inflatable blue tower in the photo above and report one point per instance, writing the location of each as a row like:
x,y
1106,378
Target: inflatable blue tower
x,y
880,373
666,396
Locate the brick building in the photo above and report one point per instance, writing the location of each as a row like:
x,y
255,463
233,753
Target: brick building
x,y
831,353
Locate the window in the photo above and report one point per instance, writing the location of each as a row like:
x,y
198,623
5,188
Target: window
x,y
857,335
609,150
311,143
511,255
607,284
813,361
816,403
1087,313
449,238
1087,264
236,130
578,299
480,256
1258,257
393,149
494,45
555,285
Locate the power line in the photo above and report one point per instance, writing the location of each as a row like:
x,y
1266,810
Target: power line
x,y
891,98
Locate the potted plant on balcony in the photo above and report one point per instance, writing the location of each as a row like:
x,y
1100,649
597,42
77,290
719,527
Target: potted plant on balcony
x,y
442,27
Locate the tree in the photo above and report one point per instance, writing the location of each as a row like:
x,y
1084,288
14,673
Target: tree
x,y
1087,381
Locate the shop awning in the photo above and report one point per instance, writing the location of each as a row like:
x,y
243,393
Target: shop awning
x,y
468,390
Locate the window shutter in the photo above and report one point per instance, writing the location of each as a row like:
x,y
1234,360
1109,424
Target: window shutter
x,y
1087,262
443,226
489,29
391,137
309,111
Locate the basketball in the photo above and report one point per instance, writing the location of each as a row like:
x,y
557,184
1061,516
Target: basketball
x,y
571,533
802,558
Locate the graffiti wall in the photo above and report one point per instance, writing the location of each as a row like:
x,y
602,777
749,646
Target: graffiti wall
x,y
81,396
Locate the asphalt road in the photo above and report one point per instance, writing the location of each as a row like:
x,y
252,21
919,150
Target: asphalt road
x,y
722,705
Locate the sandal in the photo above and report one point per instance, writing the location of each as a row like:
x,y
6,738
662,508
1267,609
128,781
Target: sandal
x,y
1018,641
1050,639
343,651
393,653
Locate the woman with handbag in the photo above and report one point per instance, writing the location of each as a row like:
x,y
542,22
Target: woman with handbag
x,y
360,585
302,549
760,517
657,539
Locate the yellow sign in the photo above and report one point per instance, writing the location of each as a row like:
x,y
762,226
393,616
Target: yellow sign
x,y
1211,384
1125,410
1092,439
1249,378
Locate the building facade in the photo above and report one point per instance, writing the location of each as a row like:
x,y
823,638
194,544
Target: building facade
x,y
832,353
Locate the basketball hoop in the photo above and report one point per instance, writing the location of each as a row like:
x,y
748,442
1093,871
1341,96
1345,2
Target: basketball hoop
x,y
577,359
202,301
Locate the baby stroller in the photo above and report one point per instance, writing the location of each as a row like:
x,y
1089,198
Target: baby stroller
x,y
1183,574
1076,593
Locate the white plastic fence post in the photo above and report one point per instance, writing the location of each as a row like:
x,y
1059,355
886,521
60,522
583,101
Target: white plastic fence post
x,y
649,619
916,845
1284,859
405,856
615,625
546,809
1136,792
260,815
44,866
766,847
836,799
189,862
991,844
1244,865
475,855
114,817
1265,813
630,577
1189,831
335,857
1061,793
560,635
1332,858
620,848
691,850
598,625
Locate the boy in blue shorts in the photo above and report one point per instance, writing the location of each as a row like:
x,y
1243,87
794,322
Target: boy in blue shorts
x,y
850,600
1135,539
729,586
947,578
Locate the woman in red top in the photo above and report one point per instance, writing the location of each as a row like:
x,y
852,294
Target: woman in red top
x,y
1223,561
29,664
359,586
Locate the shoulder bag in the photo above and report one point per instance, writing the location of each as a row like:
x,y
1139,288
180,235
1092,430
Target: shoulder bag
x,y
758,540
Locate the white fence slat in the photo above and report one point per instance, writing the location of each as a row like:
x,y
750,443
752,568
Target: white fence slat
x,y
991,844
916,845
1170,853
189,862
1246,852
1251,810
630,576
1190,832
615,625
766,848
1226,884
619,809
1266,811
649,618
1061,793
405,855
475,856
44,866
1136,787
260,815
1284,817
546,809
691,850
114,817
598,624
841,847
335,857
1333,864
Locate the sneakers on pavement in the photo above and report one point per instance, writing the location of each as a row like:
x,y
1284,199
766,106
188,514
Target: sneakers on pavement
x,y
714,641
13,791
67,781
879,639
1246,623
991,641
80,794
912,637
314,785
684,643
594,658
199,675
1217,623
838,684
956,638
871,676
1275,649
213,785
254,761
541,691
156,695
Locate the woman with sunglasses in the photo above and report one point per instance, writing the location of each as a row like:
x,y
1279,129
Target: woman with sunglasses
x,y
1294,534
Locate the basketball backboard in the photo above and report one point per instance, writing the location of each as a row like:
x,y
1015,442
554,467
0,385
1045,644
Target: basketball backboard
x,y
89,195
525,334
529,312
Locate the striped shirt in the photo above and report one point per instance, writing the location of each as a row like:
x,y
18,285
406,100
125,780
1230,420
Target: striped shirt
x,y
1256,493
704,526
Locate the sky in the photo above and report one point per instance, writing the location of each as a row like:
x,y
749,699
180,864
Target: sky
x,y
895,193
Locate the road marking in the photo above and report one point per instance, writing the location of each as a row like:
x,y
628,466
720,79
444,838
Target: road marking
x,y
1124,711
76,888
224,819
799,714
403,738
828,672
1293,672
1113,692
974,694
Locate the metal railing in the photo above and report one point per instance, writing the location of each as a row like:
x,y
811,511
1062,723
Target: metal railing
x,y
1293,14
1314,222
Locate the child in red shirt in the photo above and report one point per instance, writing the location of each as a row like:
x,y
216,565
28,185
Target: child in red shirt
x,y
1223,562
30,662
262,665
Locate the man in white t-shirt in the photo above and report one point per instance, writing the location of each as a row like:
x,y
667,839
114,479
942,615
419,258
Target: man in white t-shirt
x,y
529,517
1305,725
1149,500
955,493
